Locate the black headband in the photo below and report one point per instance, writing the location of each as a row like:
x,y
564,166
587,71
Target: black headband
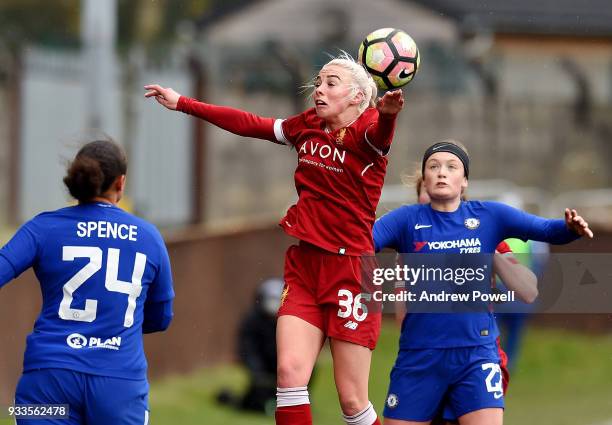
x,y
450,148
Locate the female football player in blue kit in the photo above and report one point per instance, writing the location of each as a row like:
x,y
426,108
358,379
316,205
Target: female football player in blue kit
x,y
454,357
512,273
105,279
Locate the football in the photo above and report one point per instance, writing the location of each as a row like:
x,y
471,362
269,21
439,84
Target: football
x,y
391,56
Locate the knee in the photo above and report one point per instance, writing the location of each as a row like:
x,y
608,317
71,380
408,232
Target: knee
x,y
351,404
292,373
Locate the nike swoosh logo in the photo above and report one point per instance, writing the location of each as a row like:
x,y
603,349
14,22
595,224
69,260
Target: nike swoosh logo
x,y
439,147
403,74
421,226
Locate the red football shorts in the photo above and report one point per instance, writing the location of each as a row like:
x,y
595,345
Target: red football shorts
x,y
325,289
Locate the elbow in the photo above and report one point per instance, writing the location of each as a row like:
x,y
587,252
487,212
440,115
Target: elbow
x,y
532,296
159,326
535,294
165,324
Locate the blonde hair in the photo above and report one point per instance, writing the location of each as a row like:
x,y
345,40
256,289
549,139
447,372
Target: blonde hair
x,y
362,81
413,179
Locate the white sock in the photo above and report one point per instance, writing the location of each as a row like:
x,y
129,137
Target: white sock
x,y
296,396
366,417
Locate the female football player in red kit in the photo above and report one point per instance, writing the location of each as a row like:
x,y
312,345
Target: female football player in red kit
x,y
341,144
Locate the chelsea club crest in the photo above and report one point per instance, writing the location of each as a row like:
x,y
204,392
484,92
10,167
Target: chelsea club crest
x,y
392,401
472,223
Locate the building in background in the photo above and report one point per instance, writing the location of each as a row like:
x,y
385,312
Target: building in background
x,y
526,85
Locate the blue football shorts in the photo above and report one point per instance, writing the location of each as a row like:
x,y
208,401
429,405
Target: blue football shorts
x,y
92,399
457,380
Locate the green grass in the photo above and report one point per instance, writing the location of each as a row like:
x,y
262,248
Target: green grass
x,y
563,379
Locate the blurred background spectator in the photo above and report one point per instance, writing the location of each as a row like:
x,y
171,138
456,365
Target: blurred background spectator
x,y
257,351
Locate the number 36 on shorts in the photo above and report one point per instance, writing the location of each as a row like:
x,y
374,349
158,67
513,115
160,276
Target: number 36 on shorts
x,y
352,305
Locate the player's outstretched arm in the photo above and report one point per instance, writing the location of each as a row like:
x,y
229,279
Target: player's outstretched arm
x,y
164,96
577,224
516,276
514,223
233,120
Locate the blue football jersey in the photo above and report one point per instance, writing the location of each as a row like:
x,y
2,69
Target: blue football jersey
x,y
97,266
474,228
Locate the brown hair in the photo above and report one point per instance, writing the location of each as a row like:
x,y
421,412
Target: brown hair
x,y
94,169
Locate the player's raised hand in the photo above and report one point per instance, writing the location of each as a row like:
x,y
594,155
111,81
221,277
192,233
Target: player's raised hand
x,y
164,96
577,224
391,103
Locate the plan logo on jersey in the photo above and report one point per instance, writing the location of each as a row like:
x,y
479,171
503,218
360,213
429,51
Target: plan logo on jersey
x,y
472,223
392,401
78,341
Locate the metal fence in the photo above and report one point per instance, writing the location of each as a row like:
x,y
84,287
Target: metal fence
x,y
531,141
54,124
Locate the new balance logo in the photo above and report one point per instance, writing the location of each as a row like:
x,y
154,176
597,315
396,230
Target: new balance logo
x,y
421,226
351,325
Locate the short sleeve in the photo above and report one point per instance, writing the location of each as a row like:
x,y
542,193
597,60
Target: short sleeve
x,y
161,288
386,232
22,251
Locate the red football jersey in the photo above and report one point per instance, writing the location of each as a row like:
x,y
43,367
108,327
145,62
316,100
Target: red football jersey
x,y
339,179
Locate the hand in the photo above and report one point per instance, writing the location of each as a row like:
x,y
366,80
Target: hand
x,y
391,103
164,96
577,224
